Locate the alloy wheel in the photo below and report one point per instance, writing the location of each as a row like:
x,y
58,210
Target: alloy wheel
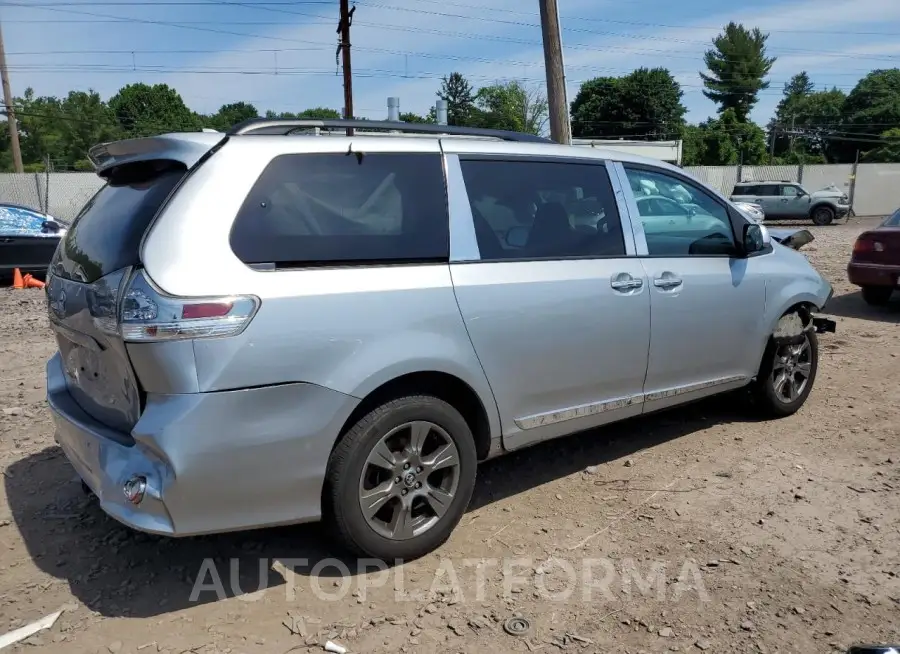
x,y
791,371
409,480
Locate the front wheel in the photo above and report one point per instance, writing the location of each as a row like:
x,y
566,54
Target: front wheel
x,y
400,479
822,216
786,375
877,296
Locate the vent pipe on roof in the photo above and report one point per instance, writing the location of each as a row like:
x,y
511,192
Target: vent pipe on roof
x,y
441,109
393,109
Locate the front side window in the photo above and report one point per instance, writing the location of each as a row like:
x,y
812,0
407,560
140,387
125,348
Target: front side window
x,y
683,219
542,210
321,209
790,191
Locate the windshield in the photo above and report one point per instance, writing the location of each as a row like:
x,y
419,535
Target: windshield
x,y
20,221
893,220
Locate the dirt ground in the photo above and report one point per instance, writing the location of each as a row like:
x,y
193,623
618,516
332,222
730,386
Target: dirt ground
x,y
697,529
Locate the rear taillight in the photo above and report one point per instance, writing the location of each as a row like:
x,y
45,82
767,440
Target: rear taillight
x,y
147,315
866,245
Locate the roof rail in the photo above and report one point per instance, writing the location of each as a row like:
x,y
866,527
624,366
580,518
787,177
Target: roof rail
x,y
283,127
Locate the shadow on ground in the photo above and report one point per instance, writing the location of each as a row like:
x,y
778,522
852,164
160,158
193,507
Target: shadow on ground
x,y
115,571
852,305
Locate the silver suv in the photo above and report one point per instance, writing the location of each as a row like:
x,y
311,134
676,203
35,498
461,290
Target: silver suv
x,y
789,200
283,323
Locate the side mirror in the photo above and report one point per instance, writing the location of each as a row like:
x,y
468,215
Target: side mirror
x,y
754,238
517,237
50,227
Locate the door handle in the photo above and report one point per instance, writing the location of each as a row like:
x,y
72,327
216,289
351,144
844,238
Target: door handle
x,y
667,282
629,284
784,200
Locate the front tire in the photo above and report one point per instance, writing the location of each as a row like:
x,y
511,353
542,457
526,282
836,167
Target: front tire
x,y
400,479
823,216
877,296
786,376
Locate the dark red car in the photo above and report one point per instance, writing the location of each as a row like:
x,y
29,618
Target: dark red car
x,y
875,264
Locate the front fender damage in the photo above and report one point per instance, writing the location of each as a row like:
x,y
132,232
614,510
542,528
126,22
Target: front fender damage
x,y
792,326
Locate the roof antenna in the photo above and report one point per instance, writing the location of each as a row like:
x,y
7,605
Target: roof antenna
x,y
359,155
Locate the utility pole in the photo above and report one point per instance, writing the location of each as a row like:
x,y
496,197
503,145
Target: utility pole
x,y
560,128
10,111
343,48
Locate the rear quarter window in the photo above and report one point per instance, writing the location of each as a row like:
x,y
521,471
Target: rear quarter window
x,y
331,209
106,234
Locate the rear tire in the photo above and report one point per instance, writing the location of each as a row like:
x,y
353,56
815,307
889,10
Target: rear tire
x,y
877,296
786,376
400,479
822,216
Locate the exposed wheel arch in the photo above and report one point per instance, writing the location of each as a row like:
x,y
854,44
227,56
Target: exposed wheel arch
x,y
445,386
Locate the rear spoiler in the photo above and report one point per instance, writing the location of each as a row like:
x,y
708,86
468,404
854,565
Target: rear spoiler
x,y
186,148
792,238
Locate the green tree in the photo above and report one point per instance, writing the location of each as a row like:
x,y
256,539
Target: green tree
x,y
871,107
887,153
320,113
87,121
460,98
645,103
40,128
230,115
144,110
410,117
724,141
805,122
738,66
511,106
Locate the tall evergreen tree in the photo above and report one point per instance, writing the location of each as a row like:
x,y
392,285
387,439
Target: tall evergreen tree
x,y
460,98
738,66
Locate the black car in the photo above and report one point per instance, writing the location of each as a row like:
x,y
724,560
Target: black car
x,y
28,239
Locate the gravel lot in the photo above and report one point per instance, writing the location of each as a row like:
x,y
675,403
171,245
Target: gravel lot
x,y
697,529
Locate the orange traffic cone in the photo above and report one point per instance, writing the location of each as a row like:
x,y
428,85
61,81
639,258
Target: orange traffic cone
x,y
18,282
31,282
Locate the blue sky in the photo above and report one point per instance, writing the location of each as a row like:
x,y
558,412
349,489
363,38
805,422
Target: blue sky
x,y
231,51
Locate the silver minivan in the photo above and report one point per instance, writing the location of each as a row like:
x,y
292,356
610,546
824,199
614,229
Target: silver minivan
x,y
285,323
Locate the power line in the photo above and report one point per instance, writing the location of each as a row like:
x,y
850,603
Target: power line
x,y
442,3
438,32
402,53
281,71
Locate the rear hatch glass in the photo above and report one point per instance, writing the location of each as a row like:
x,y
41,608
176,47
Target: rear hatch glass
x,y
83,290
106,234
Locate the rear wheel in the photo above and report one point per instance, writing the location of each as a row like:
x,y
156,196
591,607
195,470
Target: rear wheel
x,y
823,215
877,296
786,375
401,478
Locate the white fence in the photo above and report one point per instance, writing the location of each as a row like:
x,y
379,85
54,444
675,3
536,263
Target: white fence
x,y
876,191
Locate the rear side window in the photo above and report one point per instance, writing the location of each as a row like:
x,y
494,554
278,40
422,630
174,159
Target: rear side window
x,y
542,209
106,234
321,209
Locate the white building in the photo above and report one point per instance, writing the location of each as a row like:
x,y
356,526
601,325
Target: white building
x,y
669,151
